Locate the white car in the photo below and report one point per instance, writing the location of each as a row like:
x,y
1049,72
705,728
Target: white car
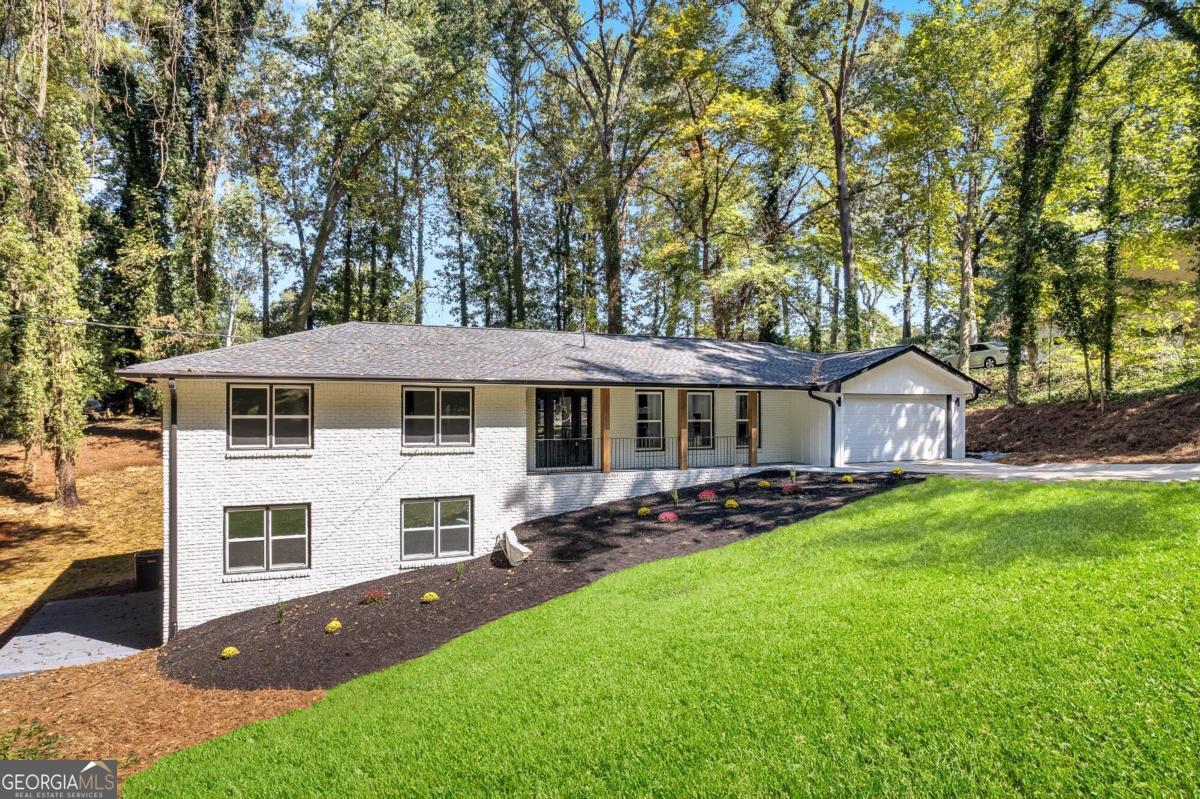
x,y
987,354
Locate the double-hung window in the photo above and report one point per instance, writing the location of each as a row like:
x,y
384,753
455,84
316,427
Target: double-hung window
x,y
435,528
438,416
264,416
743,419
266,538
649,421
700,419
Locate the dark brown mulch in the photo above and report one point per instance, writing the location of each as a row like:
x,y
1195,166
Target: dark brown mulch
x,y
1157,429
570,550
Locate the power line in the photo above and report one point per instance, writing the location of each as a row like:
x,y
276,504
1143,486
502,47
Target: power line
x,y
90,323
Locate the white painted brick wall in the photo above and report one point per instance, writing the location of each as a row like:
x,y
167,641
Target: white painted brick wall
x,y
357,473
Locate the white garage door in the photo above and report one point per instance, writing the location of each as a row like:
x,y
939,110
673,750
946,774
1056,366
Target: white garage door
x,y
893,428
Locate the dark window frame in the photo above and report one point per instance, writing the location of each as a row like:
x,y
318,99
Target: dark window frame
x,y
712,420
738,420
437,415
266,509
662,421
270,387
437,527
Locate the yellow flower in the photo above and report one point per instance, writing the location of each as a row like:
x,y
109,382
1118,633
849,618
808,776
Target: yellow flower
x,y
229,652
429,596
731,504
847,478
333,627
897,471
764,483
643,512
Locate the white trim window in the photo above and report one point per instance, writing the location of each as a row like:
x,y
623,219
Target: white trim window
x,y
649,425
438,417
267,416
742,415
435,528
700,420
266,538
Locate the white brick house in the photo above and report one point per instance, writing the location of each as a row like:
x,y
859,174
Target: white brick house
x,y
320,459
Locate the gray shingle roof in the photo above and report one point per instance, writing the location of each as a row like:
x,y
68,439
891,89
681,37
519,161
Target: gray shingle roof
x,y
372,351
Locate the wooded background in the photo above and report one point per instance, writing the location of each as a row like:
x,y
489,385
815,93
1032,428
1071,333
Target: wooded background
x,y
829,174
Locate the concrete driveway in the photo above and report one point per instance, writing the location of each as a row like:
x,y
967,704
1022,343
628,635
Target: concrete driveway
x,y
985,470
75,631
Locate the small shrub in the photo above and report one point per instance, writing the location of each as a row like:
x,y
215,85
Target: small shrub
x,y
333,627
668,517
279,612
372,596
428,597
791,475
790,488
643,512
847,478
707,495
764,483
731,504
460,569
897,471
229,652
612,513
675,497
737,484
29,740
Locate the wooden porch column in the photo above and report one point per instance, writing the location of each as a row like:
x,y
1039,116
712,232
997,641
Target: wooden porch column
x,y
752,420
605,432
681,427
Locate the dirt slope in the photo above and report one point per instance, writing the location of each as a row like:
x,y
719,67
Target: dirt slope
x,y
1159,429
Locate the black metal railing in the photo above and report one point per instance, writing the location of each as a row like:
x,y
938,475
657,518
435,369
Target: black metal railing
x,y
637,454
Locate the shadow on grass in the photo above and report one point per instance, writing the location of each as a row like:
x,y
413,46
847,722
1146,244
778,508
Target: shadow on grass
x,y
987,525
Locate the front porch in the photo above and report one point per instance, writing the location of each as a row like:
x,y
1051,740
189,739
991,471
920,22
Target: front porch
x,y
612,429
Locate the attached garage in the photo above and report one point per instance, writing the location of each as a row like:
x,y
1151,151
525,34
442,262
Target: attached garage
x,y
894,428
903,406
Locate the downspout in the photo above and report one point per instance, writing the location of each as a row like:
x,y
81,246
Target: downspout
x,y
832,425
173,516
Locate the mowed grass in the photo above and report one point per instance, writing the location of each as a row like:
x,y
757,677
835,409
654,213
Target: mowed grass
x,y
948,638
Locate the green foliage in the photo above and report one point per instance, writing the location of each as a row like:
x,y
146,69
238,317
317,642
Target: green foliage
x,y
29,740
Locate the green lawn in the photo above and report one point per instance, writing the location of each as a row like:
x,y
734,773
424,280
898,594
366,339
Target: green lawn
x,y
948,638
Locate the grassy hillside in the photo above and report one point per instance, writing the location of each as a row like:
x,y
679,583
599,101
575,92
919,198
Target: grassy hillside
x,y
948,638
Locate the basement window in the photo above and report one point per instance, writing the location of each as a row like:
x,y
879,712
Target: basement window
x,y
266,538
435,528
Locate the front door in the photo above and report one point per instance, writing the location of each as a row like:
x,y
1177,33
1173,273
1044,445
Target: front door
x,y
564,428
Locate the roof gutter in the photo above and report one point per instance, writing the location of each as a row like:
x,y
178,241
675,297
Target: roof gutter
x,y
832,424
173,515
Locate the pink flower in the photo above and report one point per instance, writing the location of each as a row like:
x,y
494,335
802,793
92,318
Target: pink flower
x,y
708,495
790,488
668,516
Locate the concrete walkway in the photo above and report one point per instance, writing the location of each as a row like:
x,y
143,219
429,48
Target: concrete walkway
x,y
74,631
984,470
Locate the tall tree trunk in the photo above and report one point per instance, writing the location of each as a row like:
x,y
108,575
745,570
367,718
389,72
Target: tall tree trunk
x,y
835,295
347,264
461,255
1110,209
373,285
906,292
846,235
966,272
419,274
610,240
518,266
265,256
64,471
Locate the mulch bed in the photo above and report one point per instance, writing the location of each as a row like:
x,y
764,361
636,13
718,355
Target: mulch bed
x,y
569,551
1152,430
